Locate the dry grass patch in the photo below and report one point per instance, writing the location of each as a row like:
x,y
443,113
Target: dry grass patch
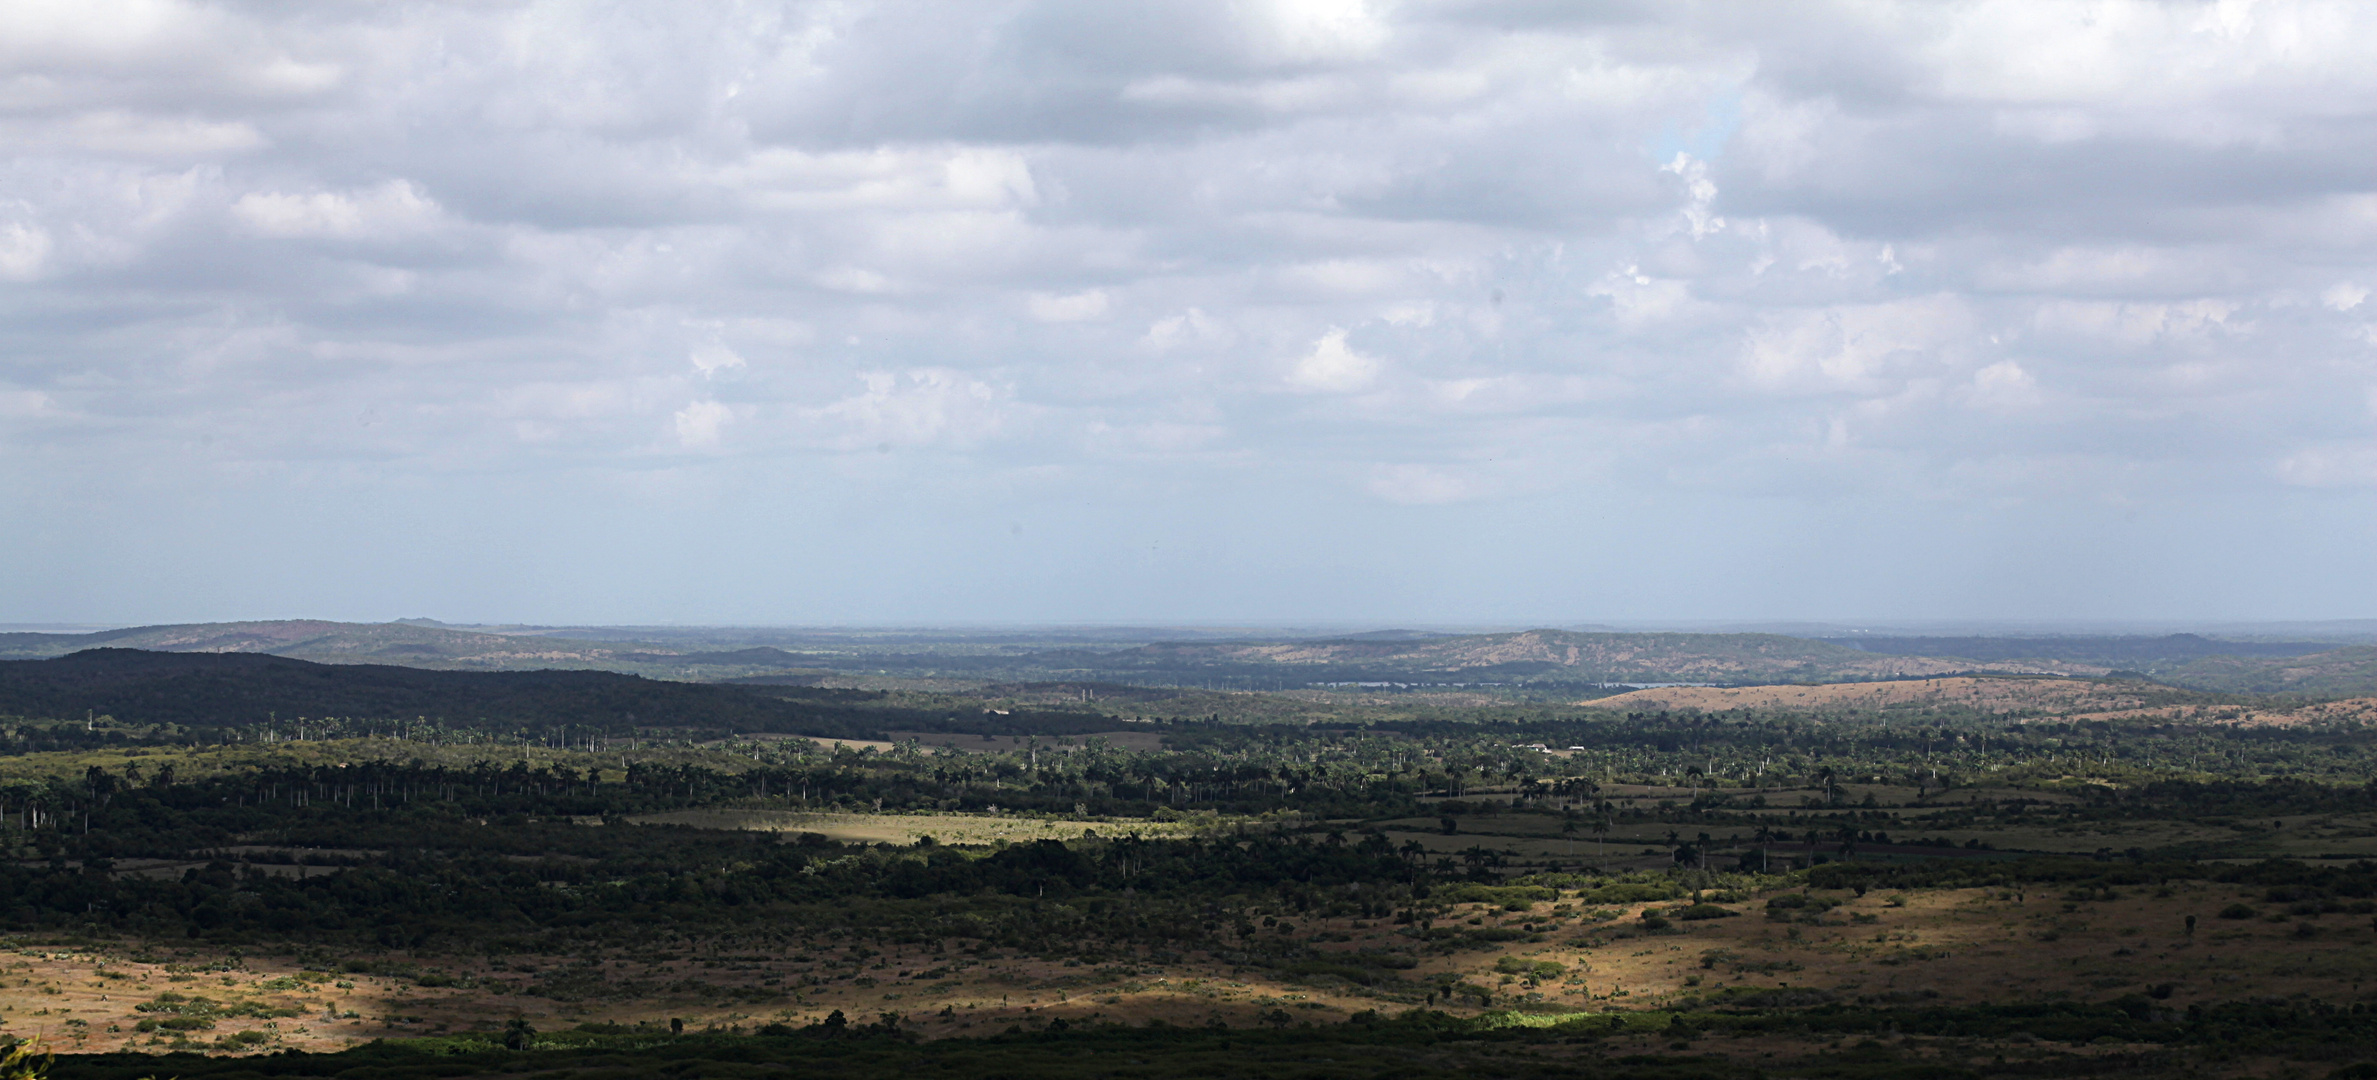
x,y
960,829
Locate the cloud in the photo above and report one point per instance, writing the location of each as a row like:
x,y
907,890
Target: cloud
x,y
714,358
2005,385
24,249
1333,366
1421,485
700,424
2333,466
1073,308
917,409
390,209
1741,269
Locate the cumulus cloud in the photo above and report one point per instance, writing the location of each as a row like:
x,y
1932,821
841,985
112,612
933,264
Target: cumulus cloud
x,y
1676,258
1333,366
917,409
24,248
388,209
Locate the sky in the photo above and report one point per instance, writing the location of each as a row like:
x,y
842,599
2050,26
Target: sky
x,y
1258,311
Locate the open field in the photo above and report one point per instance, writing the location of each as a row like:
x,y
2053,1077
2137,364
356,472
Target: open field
x,y
1943,947
1141,741
1985,693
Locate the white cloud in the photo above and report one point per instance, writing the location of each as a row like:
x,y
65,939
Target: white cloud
x,y
2335,466
713,358
1699,194
1924,254
1421,485
2005,385
24,250
700,424
1333,366
1855,346
24,404
391,209
1076,307
1188,327
919,408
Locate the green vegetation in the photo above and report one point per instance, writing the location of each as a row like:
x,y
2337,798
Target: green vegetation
x,y
1513,888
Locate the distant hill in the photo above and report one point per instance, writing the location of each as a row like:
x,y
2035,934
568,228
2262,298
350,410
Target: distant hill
x,y
1531,656
2186,660
417,643
2113,651
1539,655
2350,670
214,690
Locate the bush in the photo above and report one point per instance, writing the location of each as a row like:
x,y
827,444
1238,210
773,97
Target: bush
x,y
1532,969
2239,911
1503,895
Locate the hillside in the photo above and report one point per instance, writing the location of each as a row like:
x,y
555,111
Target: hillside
x,y
216,690
2350,670
2137,652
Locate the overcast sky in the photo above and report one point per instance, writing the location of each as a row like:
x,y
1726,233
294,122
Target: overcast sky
x,y
1427,312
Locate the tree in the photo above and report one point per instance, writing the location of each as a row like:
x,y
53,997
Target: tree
x,y
519,1035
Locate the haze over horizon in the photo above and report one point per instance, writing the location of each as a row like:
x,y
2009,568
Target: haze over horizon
x,y
1322,312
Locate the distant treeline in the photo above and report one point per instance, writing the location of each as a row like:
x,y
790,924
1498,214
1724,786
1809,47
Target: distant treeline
x,y
212,692
2110,651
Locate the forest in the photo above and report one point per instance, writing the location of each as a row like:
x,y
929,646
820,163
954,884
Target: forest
x,y
251,866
